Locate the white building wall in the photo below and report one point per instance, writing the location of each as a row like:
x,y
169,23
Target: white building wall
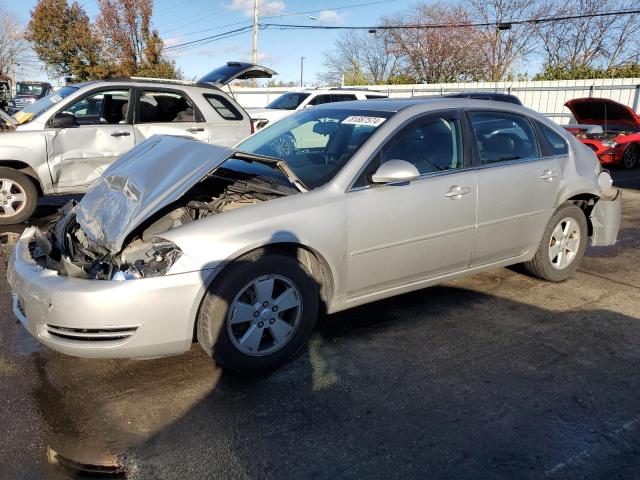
x,y
547,97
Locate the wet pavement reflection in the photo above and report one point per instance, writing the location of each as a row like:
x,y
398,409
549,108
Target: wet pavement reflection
x,y
498,375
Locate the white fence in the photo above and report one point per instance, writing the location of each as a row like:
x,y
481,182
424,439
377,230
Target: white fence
x,y
547,97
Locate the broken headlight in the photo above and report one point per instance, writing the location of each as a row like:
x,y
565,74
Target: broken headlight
x,y
609,143
155,262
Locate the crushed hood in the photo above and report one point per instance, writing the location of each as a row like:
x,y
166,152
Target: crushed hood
x,y
149,177
604,112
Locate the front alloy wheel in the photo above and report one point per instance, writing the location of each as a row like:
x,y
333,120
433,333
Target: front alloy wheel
x,y
264,315
259,312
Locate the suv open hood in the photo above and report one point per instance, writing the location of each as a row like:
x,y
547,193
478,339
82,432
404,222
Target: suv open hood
x,y
236,71
149,177
604,112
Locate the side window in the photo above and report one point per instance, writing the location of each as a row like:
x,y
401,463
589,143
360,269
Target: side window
x,y
503,137
557,144
165,107
320,99
104,107
432,145
343,98
223,106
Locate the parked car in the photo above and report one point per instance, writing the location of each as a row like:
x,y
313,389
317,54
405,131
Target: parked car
x,y
290,102
67,139
244,250
27,93
616,136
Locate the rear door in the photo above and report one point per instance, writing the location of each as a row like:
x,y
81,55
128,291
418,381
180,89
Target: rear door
x,y
103,132
165,111
518,183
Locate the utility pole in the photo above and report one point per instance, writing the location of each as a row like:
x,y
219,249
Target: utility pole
x,y
256,8
301,70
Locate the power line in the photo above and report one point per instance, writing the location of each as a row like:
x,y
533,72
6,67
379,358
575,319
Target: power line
x,y
503,24
429,26
290,14
202,41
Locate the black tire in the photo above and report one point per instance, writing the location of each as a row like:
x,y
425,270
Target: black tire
x,y
212,332
20,182
541,265
630,156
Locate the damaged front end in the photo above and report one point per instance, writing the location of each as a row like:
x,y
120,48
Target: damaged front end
x,y
115,231
67,250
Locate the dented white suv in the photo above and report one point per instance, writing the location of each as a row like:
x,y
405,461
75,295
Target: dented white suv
x,y
63,142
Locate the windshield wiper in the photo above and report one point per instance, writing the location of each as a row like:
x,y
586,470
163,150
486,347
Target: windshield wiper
x,y
274,162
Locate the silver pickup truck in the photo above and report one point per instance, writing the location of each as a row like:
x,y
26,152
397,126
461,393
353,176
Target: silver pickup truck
x,y
63,142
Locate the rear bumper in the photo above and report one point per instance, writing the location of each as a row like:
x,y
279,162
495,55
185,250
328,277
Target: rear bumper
x,y
605,218
97,318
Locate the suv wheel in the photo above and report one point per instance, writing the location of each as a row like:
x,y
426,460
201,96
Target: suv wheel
x,y
18,196
259,313
563,245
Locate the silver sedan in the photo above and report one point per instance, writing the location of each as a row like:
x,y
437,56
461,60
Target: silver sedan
x,y
335,206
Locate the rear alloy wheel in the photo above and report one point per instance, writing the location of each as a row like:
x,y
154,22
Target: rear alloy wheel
x,y
259,313
563,245
18,196
630,156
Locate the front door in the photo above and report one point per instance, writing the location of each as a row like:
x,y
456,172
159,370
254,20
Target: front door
x,y
517,186
405,233
103,132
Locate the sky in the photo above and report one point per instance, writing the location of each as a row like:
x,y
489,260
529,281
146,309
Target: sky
x,y
180,21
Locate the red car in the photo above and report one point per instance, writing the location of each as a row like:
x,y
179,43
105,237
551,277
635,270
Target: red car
x,y
617,141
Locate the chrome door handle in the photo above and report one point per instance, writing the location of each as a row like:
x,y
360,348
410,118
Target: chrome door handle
x,y
195,129
456,192
549,175
120,134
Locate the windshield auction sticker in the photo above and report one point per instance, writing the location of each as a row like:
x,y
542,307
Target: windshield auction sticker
x,y
363,120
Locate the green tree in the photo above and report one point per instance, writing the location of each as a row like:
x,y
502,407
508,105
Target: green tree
x,y
130,42
64,39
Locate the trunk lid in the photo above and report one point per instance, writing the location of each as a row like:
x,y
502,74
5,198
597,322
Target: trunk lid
x,y
603,112
236,71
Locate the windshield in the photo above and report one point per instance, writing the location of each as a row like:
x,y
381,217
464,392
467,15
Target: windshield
x,y
316,143
29,89
38,108
288,101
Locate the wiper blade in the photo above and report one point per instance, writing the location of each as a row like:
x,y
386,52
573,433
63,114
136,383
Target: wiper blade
x,y
273,162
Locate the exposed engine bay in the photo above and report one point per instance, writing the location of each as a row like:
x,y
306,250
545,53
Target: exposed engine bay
x,y
66,248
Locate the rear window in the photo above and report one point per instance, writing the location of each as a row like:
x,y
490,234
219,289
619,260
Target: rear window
x,y
557,144
223,106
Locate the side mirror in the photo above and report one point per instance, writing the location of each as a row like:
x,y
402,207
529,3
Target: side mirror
x,y
63,120
395,171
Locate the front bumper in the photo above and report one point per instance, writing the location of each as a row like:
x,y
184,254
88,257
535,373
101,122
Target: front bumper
x,y
143,318
605,218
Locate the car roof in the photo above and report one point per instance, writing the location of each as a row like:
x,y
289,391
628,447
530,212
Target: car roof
x,y
141,81
434,102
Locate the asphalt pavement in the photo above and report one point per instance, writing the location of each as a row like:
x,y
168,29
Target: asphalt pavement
x,y
495,376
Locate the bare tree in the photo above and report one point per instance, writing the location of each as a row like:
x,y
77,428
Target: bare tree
x,y
12,43
597,43
436,55
506,46
359,58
